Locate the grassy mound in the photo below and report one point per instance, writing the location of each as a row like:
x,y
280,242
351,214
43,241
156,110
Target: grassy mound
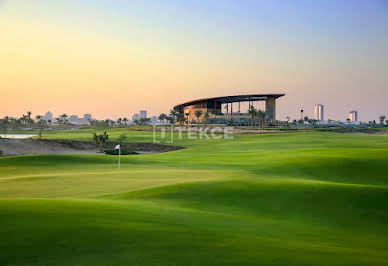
x,y
285,199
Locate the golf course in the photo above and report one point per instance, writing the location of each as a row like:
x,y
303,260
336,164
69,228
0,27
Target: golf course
x,y
300,198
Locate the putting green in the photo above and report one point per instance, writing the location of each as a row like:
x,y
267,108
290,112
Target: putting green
x,y
276,199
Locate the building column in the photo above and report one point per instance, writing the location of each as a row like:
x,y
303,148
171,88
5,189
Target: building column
x,y
215,111
231,112
270,109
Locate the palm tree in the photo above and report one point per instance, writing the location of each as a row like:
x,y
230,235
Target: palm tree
x,y
4,124
41,124
38,118
28,116
261,115
100,140
180,118
24,119
306,119
382,118
253,113
119,121
169,119
64,118
198,114
21,119
288,120
162,117
206,117
173,115
187,114
125,120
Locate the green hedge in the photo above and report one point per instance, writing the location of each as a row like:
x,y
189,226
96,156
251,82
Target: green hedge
x,y
123,152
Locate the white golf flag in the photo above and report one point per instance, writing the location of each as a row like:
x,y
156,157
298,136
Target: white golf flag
x,y
117,147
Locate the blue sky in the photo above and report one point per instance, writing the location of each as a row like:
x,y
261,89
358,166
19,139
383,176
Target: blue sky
x,y
154,54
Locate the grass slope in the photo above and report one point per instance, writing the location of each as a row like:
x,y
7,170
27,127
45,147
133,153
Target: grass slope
x,y
278,199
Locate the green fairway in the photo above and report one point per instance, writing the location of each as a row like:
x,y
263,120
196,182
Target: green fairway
x,y
272,199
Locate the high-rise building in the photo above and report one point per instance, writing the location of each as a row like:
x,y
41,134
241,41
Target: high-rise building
x,y
135,117
48,116
154,120
353,116
143,113
318,112
87,117
73,119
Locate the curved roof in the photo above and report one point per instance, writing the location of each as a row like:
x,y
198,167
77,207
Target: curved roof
x,y
231,99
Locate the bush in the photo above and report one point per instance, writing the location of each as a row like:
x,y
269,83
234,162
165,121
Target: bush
x,y
123,152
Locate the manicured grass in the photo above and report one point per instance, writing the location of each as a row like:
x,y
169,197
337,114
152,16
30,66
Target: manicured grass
x,y
275,199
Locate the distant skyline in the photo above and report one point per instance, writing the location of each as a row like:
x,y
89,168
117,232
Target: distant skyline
x,y
113,58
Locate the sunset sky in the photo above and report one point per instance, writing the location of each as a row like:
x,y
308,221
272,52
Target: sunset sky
x,y
112,58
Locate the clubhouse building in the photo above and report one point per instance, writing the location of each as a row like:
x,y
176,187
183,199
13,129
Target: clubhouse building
x,y
213,107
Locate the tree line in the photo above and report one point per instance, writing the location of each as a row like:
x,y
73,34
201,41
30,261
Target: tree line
x,y
257,117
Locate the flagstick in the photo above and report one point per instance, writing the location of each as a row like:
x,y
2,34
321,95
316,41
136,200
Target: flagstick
x,y
119,155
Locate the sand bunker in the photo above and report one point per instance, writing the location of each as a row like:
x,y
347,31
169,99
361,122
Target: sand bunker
x,y
13,147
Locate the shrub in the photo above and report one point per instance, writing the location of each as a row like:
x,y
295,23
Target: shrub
x,y
123,152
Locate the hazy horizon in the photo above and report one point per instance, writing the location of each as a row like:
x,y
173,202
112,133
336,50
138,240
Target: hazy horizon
x,y
113,58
